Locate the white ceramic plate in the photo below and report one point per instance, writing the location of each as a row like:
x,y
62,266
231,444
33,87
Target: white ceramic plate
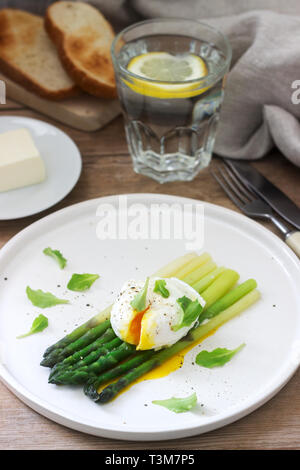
x,y
63,166
270,328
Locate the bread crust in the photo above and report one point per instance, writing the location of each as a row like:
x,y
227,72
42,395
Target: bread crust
x,y
80,75
20,76
30,85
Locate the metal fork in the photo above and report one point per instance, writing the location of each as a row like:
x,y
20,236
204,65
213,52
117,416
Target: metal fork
x,y
251,204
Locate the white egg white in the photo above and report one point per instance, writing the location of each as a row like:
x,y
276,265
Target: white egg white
x,y
155,324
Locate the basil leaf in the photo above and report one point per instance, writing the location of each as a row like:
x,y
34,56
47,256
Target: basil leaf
x,y
81,282
139,302
191,311
160,288
55,254
217,357
43,299
39,324
178,405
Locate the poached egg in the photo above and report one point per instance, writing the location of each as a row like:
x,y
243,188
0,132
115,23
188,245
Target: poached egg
x,y
152,328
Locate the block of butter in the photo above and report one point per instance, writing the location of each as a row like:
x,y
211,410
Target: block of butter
x,y
20,162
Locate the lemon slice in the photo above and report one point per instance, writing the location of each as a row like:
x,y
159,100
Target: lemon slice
x,y
164,67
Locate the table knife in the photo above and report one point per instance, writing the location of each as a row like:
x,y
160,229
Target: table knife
x,y
266,190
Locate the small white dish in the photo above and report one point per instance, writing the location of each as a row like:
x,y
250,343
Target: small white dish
x,y
270,328
63,166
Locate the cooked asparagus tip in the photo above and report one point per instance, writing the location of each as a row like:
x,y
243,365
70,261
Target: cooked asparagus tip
x,y
85,362
94,355
89,353
84,373
79,331
58,355
112,390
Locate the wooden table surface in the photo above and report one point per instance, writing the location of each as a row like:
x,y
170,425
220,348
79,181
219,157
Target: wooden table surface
x,y
107,170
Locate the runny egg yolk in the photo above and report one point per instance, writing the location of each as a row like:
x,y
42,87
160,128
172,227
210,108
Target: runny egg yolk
x,y
134,330
153,327
139,330
148,325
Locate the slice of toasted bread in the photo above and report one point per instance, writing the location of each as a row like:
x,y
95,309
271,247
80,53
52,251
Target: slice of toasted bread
x,y
83,38
28,56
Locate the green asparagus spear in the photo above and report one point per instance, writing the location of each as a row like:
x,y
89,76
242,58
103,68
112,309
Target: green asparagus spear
x,y
57,355
94,355
75,358
109,392
91,387
105,349
81,375
80,331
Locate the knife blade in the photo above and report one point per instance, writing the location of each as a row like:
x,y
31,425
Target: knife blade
x,y
266,190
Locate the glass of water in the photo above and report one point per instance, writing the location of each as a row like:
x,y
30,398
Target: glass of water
x,y
170,76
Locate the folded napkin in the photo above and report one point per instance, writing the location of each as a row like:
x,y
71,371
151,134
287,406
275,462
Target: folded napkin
x,y
260,108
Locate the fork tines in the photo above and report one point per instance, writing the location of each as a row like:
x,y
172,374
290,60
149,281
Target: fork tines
x,y
235,189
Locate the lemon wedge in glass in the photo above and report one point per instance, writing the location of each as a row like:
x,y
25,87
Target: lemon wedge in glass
x,y
161,67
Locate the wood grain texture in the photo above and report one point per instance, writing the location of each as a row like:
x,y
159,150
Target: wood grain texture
x,y
107,170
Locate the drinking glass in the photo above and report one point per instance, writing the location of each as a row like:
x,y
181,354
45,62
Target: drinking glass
x,y
171,125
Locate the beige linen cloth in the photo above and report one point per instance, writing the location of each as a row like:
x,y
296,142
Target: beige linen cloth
x,y
258,112
260,108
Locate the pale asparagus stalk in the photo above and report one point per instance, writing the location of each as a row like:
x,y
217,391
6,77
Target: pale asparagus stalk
x,y
220,287
193,277
193,265
207,280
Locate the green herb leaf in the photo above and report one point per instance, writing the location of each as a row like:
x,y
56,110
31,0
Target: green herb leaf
x,y
191,311
55,254
139,302
217,357
160,288
43,299
178,405
39,324
81,282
